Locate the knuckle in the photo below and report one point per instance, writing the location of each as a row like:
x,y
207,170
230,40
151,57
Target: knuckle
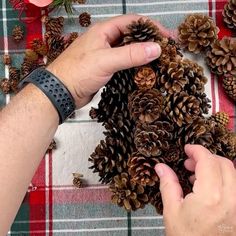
x,y
215,200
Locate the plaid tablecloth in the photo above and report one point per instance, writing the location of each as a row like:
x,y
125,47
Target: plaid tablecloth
x,y
52,205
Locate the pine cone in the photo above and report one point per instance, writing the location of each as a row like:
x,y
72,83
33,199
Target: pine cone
x,y
172,80
114,98
145,77
222,56
54,26
197,79
172,155
142,30
14,78
229,14
199,132
153,139
77,181
170,52
39,46
229,84
197,32
221,118
141,169
28,66
17,33
5,86
154,195
56,46
108,159
73,36
6,59
146,106
182,108
85,19
127,194
204,103
52,146
31,55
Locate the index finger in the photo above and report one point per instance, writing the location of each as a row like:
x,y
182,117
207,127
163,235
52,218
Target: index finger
x,y
114,28
207,170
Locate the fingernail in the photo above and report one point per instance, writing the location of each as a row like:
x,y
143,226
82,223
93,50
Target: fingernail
x,y
153,50
159,170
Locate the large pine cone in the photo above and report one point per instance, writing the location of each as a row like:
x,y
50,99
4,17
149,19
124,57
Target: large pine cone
x,y
172,80
182,108
39,46
56,45
141,169
127,193
197,32
145,77
153,139
114,98
109,159
199,132
142,30
229,84
222,56
146,106
229,14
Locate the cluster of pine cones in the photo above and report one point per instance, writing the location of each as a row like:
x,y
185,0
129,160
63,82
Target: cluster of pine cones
x,y
199,34
149,114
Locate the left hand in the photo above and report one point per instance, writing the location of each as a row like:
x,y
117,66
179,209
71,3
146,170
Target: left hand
x,y
90,61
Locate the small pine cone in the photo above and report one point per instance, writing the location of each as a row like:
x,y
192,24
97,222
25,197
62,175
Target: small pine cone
x,y
154,195
229,84
28,66
153,139
222,56
108,159
196,77
14,78
17,33
5,86
56,46
6,59
31,55
229,14
199,132
77,181
141,169
173,154
146,106
172,80
170,52
197,32
54,26
85,19
141,31
72,37
39,46
182,108
145,77
93,113
52,146
221,118
128,194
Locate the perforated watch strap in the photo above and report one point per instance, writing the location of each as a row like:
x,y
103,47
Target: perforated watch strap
x,y
54,89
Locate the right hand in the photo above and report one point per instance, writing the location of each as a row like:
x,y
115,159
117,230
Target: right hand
x,y
211,208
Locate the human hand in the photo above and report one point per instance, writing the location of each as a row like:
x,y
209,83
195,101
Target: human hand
x,y
90,61
211,208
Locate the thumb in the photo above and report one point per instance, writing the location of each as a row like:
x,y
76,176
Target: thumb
x,y
170,188
129,56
